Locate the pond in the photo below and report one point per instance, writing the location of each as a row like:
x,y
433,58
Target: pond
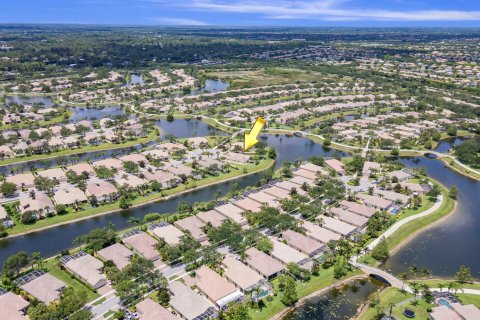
x,y
211,86
186,128
24,100
96,113
445,146
336,304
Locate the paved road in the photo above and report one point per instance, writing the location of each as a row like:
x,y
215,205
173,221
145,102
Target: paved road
x,y
402,222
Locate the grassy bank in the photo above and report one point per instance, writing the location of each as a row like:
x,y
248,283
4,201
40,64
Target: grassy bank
x,y
164,195
315,284
416,225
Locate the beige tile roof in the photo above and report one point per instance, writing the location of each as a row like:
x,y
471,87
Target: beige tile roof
x,y
232,212
194,226
187,302
45,288
150,310
301,242
169,233
12,306
285,253
248,204
144,244
68,196
101,189
117,253
263,263
240,274
321,234
212,284
337,226
212,217
88,268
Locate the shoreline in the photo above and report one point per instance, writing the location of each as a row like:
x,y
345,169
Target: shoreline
x,y
135,205
423,229
334,285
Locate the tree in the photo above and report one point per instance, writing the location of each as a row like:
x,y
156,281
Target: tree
x,y
237,311
315,270
380,252
453,192
463,275
37,257
124,202
8,189
340,268
15,263
265,245
97,239
289,296
28,217
61,208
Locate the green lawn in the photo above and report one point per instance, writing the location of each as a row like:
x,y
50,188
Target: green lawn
x,y
303,289
434,283
420,310
469,299
413,226
91,211
388,295
52,267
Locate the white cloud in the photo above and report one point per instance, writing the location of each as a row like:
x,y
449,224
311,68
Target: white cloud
x,y
180,22
319,10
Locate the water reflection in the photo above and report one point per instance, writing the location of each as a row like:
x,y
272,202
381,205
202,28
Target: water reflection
x,y
444,247
186,128
29,100
211,86
336,304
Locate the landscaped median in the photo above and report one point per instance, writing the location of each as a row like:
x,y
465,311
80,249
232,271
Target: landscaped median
x,y
238,171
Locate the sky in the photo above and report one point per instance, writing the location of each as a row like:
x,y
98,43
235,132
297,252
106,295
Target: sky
x,y
360,13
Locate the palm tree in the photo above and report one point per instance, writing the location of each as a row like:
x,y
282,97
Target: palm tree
x,y
36,256
136,221
391,304
441,285
404,277
414,269
416,291
426,273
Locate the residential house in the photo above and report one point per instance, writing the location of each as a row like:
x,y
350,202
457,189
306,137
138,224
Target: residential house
x,y
102,191
87,268
150,310
144,244
188,304
302,243
118,254
216,289
261,262
46,288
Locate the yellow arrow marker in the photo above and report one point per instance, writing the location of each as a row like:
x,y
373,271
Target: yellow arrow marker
x,y
251,138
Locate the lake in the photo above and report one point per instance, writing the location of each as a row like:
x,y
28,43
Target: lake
x,y
96,113
24,100
186,128
211,86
